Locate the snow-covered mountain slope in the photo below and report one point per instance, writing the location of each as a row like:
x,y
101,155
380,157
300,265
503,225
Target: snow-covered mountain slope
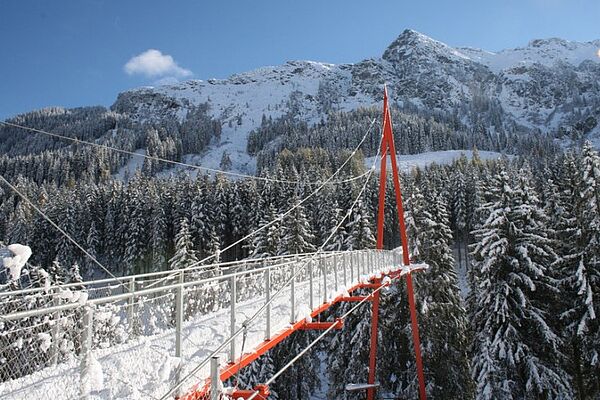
x,y
544,86
547,52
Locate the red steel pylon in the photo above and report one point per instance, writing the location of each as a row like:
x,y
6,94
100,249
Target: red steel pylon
x,y
387,144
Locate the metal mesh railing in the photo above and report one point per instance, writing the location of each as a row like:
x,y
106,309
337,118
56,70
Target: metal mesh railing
x,y
100,341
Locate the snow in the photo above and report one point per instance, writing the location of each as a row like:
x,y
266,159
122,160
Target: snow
x,y
73,296
304,313
354,387
168,367
241,100
409,162
93,379
135,163
144,367
264,91
547,52
17,262
45,341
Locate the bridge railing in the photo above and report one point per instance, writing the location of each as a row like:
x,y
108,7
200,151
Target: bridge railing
x,y
62,343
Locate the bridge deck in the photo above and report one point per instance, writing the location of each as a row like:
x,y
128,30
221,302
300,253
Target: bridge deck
x,y
144,366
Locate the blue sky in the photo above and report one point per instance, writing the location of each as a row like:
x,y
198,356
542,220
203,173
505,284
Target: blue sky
x,y
73,53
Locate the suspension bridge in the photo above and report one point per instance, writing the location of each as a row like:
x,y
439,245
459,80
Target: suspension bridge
x,y
182,333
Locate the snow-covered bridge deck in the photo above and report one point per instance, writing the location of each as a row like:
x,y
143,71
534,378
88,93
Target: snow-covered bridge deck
x,y
91,341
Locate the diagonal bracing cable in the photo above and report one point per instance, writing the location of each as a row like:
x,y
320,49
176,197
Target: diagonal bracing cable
x,y
289,211
286,283
58,228
314,342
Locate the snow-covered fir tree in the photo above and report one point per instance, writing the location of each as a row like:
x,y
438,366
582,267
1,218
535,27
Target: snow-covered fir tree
x,y
360,235
266,242
184,253
296,233
301,379
581,274
514,348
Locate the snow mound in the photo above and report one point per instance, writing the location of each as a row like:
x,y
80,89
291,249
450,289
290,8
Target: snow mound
x,y
304,312
16,263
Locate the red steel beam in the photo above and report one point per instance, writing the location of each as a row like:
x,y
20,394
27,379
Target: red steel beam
x,y
263,393
321,326
370,285
355,298
246,359
232,369
387,143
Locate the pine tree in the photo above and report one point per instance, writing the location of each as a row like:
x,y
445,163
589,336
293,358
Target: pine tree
x,y
265,243
17,225
581,271
296,233
511,256
158,235
92,243
258,372
358,339
184,253
441,305
360,235
301,379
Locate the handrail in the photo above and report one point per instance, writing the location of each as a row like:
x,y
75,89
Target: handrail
x,y
228,264
125,296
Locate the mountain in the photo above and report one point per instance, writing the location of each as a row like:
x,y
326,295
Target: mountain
x,y
550,86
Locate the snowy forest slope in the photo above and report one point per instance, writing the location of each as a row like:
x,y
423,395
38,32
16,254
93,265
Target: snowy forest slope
x,y
549,86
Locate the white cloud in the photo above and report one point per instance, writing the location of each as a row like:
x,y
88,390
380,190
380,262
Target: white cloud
x,y
154,64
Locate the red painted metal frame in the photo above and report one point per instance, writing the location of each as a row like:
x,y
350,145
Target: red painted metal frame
x,y
387,144
355,298
263,393
199,393
321,326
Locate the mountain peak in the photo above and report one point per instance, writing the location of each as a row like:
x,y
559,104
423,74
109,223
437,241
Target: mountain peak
x,y
552,42
410,38
413,43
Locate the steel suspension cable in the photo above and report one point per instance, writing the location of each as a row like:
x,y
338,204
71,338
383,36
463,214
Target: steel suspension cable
x,y
283,287
314,342
179,163
58,228
289,211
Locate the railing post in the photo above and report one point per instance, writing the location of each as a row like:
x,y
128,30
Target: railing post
x,y
310,286
55,331
215,382
87,334
233,296
293,291
351,256
324,270
131,305
360,263
345,264
335,271
179,306
267,300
